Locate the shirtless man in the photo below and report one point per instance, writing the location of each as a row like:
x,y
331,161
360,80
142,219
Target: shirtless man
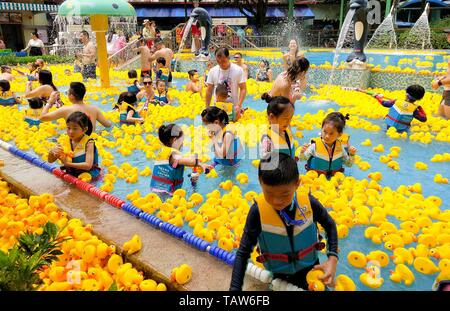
x,y
444,107
87,57
239,61
76,94
146,64
162,51
6,73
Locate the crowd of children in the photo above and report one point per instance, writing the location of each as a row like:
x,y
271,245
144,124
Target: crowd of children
x,y
283,220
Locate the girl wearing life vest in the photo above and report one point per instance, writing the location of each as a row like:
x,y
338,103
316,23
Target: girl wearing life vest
x,y
133,86
327,154
168,169
401,113
7,98
282,222
264,73
34,112
82,157
161,96
224,138
278,138
127,105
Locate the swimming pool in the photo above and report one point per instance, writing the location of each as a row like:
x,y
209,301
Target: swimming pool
x,y
411,152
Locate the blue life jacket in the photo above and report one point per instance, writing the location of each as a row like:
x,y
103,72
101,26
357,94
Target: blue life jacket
x,y
161,98
231,158
322,162
278,254
7,99
401,115
165,178
281,144
32,116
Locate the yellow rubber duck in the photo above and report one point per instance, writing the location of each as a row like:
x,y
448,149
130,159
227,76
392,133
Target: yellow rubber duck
x,y
441,252
421,166
379,256
371,278
367,142
86,177
226,185
242,178
425,265
444,267
401,256
377,176
342,231
146,171
226,244
132,246
148,285
357,259
439,179
402,274
314,280
378,148
181,274
344,283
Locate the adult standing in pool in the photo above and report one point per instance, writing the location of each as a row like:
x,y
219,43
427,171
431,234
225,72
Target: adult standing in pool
x,y
46,88
444,107
146,64
240,62
230,74
88,58
290,56
291,82
166,53
75,94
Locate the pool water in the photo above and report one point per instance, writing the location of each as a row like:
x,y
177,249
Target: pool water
x,y
392,59
411,152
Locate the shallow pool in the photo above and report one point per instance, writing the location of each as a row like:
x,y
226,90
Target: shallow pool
x,y
411,152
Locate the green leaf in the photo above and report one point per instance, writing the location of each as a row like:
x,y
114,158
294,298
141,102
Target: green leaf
x,y
113,287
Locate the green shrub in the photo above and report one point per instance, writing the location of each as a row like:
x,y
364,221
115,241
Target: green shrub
x,y
51,59
20,267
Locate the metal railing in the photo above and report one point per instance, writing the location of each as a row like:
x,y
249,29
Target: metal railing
x,y
124,55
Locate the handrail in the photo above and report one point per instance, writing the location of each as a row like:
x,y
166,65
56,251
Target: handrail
x,y
123,49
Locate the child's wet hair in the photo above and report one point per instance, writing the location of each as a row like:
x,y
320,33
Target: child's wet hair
x,y
415,92
277,105
36,103
337,119
300,64
161,60
278,169
212,114
132,74
167,133
192,73
222,90
4,85
82,120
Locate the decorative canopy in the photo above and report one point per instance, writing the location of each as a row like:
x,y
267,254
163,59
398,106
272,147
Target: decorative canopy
x,y
96,7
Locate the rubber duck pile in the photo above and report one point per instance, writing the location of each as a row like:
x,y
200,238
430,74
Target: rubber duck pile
x,y
86,262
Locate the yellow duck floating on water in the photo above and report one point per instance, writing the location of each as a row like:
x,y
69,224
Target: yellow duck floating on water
x,y
439,179
344,283
314,280
402,274
357,259
372,278
425,265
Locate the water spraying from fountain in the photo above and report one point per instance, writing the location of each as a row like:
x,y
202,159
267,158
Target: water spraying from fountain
x,y
186,32
419,35
384,36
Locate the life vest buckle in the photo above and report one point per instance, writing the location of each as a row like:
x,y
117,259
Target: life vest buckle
x,y
320,246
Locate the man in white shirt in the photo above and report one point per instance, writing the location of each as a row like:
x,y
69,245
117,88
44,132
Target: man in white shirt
x,y
232,75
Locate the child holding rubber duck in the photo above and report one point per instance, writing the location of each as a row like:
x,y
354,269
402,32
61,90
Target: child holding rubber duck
x,y
83,155
283,222
327,154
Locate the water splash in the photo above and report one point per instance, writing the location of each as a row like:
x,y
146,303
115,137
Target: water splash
x,y
345,34
186,32
384,36
419,37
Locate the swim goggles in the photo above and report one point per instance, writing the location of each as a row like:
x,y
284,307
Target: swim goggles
x,y
288,220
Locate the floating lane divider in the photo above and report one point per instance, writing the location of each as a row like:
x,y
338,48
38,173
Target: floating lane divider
x,y
194,241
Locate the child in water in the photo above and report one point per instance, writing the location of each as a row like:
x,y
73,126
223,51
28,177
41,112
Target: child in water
x,y
134,86
169,167
161,95
194,85
127,105
162,73
225,141
401,113
283,223
327,154
7,98
279,138
222,103
34,112
83,155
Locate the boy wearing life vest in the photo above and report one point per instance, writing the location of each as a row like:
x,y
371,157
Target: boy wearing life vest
x,y
282,222
401,113
328,154
222,103
162,72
